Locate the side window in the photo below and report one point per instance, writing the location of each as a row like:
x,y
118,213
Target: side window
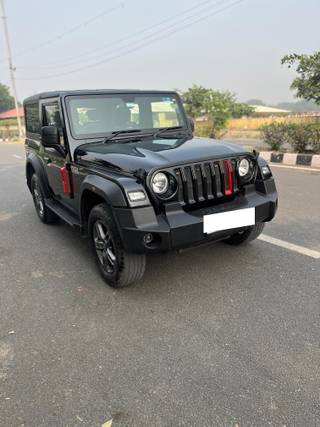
x,y
51,115
32,118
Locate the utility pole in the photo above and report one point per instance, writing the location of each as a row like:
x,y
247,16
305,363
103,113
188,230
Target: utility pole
x,y
11,67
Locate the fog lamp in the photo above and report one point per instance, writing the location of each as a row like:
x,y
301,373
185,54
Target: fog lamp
x,y
147,238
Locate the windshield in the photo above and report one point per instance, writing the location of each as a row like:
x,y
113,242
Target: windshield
x,y
99,115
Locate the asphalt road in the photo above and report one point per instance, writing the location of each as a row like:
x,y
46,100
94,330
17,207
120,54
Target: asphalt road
x,y
214,336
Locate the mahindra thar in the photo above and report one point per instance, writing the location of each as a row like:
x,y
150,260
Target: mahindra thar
x,y
124,167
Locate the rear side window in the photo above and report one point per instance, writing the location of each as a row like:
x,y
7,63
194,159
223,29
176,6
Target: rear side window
x,y
32,118
52,115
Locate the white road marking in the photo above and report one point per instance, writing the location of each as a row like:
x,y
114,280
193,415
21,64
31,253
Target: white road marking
x,y
299,168
16,156
292,247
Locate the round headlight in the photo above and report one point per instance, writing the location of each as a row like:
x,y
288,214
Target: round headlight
x,y
160,183
244,168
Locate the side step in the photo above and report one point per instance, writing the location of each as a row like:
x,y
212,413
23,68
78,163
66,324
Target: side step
x,y
65,214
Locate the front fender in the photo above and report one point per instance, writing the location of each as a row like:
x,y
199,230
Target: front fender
x,y
265,185
261,162
107,189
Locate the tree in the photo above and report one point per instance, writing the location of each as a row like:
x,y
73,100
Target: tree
x,y
307,84
196,100
238,109
218,106
6,100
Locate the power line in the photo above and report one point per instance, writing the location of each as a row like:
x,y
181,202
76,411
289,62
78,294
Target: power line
x,y
147,43
119,41
60,36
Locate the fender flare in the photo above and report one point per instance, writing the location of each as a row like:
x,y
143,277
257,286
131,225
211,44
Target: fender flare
x,y
105,188
261,162
37,166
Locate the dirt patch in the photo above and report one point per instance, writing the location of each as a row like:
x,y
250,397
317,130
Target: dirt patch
x,y
5,216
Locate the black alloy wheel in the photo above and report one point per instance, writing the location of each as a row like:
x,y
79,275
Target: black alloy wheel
x,y
118,267
45,214
105,247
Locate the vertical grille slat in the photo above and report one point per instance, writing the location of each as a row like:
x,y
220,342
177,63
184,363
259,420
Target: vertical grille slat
x,y
227,178
178,176
234,175
188,182
217,180
185,186
207,181
198,182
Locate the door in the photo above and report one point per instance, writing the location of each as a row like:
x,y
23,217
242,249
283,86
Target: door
x,y
54,160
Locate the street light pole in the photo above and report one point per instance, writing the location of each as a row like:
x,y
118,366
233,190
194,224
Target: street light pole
x,y
11,67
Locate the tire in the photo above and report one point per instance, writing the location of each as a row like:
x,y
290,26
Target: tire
x,y
117,267
246,236
44,213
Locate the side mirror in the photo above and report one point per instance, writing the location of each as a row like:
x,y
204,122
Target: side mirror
x,y
50,136
191,123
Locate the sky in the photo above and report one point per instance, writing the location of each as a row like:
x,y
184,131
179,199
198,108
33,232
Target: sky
x,y
233,45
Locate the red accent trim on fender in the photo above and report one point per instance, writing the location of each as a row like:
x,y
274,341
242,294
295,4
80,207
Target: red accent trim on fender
x,y
70,176
64,178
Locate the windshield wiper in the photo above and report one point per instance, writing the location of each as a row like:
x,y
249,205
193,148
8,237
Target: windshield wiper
x,y
158,132
119,132
161,131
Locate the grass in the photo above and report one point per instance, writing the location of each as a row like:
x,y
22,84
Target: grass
x,y
254,123
249,127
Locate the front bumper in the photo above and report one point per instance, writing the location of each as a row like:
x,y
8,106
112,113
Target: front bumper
x,y
177,229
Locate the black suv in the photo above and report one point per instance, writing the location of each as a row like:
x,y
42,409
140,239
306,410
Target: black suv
x,y
123,166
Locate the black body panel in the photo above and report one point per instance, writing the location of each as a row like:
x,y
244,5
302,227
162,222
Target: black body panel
x,y
155,153
84,172
177,228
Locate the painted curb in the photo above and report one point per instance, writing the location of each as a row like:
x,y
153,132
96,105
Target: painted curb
x,y
315,163
292,159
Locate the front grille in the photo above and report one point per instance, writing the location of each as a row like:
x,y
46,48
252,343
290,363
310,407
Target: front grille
x,y
206,181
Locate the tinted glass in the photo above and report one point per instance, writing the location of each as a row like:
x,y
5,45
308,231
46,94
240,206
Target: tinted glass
x,y
32,118
52,115
102,114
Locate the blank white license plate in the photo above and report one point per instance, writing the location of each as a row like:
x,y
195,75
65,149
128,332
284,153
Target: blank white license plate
x,y
227,220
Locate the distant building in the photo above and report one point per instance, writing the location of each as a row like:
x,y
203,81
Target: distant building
x,y
259,111
11,114
264,111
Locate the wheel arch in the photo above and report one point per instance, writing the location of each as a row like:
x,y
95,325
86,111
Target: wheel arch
x,y
29,172
34,165
96,190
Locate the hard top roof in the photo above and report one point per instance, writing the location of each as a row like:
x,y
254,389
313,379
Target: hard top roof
x,y
56,94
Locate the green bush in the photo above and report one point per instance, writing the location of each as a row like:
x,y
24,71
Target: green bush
x,y
208,130
275,135
301,136
8,122
315,137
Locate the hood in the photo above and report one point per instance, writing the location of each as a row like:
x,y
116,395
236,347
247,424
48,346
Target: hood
x,y
153,153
